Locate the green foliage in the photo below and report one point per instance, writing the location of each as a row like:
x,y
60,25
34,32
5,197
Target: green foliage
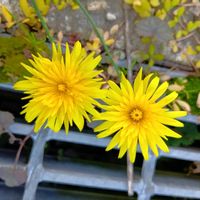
x,y
168,20
15,50
190,92
152,56
190,134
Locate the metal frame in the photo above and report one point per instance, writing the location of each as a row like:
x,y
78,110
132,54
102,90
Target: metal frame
x,y
146,184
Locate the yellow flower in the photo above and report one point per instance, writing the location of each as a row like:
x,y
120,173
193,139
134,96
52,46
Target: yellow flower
x,y
7,16
138,115
62,91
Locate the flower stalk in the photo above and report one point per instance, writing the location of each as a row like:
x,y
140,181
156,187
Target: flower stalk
x,y
99,35
130,167
42,20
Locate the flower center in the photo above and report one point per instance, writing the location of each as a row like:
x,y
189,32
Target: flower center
x,y
136,114
62,87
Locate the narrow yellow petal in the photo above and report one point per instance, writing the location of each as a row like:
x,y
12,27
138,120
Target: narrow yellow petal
x,y
78,119
75,53
138,80
51,122
114,141
39,122
66,124
103,126
132,150
139,93
122,150
59,120
146,81
93,63
152,142
167,99
114,87
169,121
159,92
54,52
152,87
31,69
67,56
143,144
165,131
126,88
161,144
87,60
109,131
175,114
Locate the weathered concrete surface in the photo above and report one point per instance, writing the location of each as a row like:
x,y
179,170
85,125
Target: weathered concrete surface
x,y
107,13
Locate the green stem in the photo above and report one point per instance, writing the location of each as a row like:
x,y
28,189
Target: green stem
x,y
42,20
94,27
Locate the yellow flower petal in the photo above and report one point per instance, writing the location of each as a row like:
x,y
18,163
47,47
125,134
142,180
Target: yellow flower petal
x,y
146,81
152,87
137,81
114,141
159,92
175,114
62,91
138,115
168,99
143,144
122,151
132,150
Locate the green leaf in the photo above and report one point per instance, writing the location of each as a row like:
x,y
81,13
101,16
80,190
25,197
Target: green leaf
x,y
179,34
161,13
190,93
173,22
190,26
175,3
197,47
151,49
151,62
146,40
167,5
158,57
190,50
179,11
189,134
14,51
155,3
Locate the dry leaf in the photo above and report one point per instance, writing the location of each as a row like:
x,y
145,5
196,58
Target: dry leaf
x,y
184,105
164,77
198,101
97,5
112,72
176,87
60,36
175,107
6,119
13,176
106,35
198,119
194,168
114,29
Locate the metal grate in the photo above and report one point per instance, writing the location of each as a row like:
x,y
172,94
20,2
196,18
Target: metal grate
x,y
146,184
